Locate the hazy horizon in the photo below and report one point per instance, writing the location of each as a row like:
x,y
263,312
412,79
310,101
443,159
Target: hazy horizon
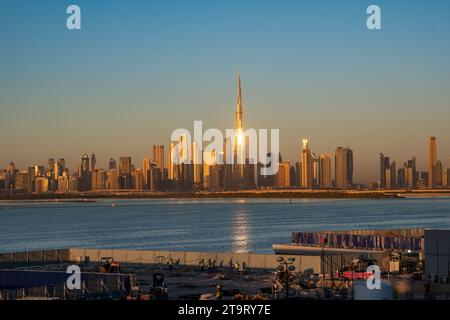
x,y
137,70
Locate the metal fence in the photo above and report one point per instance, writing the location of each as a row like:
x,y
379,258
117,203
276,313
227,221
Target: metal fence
x,y
26,258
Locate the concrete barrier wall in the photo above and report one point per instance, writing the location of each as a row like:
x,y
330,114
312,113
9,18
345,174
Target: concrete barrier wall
x,y
252,261
189,258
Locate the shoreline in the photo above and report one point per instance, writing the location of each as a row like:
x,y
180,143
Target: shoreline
x,y
85,197
244,194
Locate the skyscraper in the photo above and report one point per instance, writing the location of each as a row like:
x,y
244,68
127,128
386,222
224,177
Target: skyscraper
x,y
293,176
146,166
62,163
181,155
298,174
266,180
432,158
307,165
99,178
325,172
196,163
93,162
158,156
155,182
60,167
124,165
63,184
41,185
125,173
155,179
170,165
384,164
344,168
11,176
239,142
438,173
112,183
85,176
3,179
51,164
39,171
211,173
112,164
316,170
23,181
350,167
392,182
138,180
284,174
411,173
228,154
388,173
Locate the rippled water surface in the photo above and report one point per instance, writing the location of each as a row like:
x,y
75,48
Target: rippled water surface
x,y
202,225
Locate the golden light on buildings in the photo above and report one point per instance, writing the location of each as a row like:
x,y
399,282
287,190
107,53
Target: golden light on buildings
x,y
240,137
305,143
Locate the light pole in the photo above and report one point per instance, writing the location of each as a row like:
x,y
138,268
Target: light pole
x,y
286,266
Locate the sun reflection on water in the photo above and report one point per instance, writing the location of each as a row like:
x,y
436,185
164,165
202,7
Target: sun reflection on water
x,y
241,230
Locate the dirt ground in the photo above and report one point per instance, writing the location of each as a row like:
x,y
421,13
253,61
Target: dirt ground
x,y
190,283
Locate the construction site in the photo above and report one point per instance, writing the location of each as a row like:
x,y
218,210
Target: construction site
x,y
413,264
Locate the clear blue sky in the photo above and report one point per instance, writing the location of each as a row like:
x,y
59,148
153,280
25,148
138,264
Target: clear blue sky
x,y
139,69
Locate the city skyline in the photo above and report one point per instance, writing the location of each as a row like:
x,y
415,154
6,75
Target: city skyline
x,y
309,171
73,162
129,77
311,163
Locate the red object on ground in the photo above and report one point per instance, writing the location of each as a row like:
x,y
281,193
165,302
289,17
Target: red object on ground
x,y
357,275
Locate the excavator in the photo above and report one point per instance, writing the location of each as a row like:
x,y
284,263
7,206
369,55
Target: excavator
x,y
108,265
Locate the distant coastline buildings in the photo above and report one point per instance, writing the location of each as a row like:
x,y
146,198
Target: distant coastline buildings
x,y
159,173
408,177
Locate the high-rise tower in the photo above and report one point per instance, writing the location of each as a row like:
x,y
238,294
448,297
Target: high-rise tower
x,y
343,168
93,162
432,159
384,164
238,121
112,164
326,180
158,156
307,165
239,143
85,174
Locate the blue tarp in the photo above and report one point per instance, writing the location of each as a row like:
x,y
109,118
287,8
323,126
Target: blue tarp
x,y
16,279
